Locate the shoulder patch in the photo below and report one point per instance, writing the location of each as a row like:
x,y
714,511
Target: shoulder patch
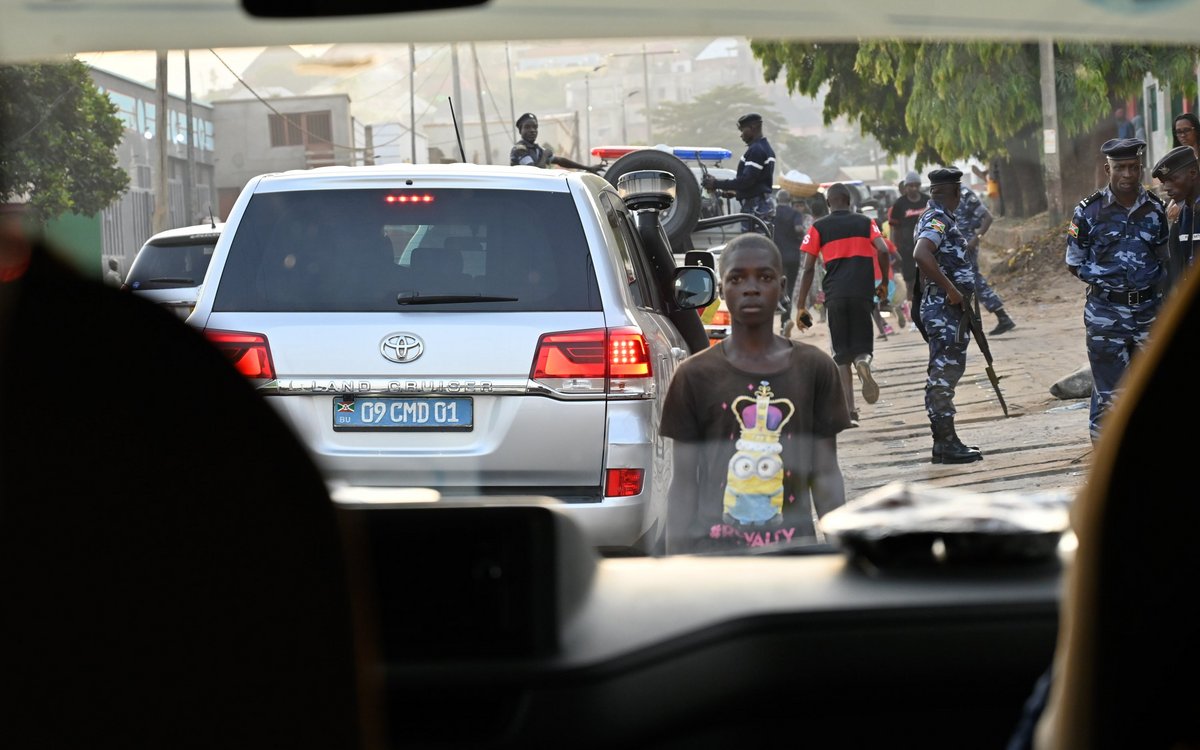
x,y
1090,199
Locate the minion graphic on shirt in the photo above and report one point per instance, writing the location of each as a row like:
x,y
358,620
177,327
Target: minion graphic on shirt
x,y
754,484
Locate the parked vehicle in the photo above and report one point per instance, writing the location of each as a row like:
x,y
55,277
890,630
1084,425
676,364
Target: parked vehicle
x,y
170,266
482,330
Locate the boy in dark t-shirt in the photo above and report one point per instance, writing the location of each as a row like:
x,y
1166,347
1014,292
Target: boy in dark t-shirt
x,y
753,421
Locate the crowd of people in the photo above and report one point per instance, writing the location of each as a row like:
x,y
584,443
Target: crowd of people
x,y
754,419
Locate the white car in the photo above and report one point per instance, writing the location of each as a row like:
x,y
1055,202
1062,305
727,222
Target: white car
x,y
170,266
483,330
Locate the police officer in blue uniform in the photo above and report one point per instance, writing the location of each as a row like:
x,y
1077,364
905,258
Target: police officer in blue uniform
x,y
526,152
947,277
1117,245
754,182
973,221
1180,176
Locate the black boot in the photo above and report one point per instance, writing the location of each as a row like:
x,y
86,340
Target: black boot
x,y
947,448
1004,324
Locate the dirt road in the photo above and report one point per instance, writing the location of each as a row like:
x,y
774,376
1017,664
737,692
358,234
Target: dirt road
x,y
1042,445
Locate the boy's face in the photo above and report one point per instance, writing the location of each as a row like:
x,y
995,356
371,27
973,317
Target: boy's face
x,y
752,283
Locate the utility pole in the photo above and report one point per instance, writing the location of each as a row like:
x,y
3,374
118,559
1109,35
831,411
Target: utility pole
x,y
457,97
1050,159
368,145
587,106
512,107
646,83
189,171
487,143
646,88
412,101
162,195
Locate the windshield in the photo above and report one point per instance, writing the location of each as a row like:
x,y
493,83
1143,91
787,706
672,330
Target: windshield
x,y
344,250
167,265
961,160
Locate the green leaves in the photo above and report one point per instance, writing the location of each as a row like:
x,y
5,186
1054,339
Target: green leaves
x,y
58,139
947,101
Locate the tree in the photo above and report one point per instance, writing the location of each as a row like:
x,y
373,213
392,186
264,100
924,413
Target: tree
x,y
949,101
58,139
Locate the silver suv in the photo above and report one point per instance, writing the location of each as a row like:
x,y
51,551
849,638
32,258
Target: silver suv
x,y
479,330
170,266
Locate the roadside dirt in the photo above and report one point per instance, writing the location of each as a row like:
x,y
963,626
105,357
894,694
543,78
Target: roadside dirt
x,y
1042,445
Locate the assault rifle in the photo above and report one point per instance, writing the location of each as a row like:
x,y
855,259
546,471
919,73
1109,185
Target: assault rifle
x,y
972,321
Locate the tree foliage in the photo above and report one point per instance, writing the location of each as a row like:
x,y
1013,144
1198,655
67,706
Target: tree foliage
x,y
58,139
947,101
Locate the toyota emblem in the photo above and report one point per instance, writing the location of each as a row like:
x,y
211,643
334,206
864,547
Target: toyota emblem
x,y
401,347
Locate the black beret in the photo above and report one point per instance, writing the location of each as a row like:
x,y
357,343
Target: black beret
x,y
1123,148
527,116
945,177
1176,158
749,118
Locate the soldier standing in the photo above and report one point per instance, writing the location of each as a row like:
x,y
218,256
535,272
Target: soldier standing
x,y
1178,174
788,229
974,220
1117,245
754,183
527,153
946,275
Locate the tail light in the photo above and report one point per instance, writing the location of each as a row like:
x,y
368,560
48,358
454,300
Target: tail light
x,y
249,352
623,482
613,361
721,318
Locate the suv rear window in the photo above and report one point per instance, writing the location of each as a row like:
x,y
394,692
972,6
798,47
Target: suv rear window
x,y
362,250
171,263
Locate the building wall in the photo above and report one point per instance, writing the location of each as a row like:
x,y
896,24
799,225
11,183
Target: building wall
x,y
243,130
126,224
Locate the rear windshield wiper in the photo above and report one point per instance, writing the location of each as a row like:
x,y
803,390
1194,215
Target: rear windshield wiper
x,y
413,298
169,280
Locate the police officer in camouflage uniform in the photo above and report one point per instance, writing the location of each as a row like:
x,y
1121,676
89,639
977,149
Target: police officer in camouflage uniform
x,y
527,153
755,179
946,278
974,220
1117,244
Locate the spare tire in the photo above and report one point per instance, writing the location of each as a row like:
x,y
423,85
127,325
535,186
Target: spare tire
x,y
679,221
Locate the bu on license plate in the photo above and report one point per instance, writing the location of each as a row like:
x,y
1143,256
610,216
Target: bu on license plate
x,y
429,414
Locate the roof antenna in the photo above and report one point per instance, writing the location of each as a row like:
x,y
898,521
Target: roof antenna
x,y
212,222
462,151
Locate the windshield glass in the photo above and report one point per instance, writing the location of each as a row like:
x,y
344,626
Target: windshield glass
x,y
343,250
937,206
167,265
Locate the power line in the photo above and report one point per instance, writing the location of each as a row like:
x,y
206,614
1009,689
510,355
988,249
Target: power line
x,y
289,120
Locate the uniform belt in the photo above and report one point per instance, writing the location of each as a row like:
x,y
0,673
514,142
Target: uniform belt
x,y
1134,297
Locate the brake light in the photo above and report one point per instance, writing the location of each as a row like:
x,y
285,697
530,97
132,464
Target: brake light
x,y
721,318
623,482
409,198
249,352
613,360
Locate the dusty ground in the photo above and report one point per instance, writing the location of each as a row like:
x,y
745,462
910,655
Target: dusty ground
x,y
1043,444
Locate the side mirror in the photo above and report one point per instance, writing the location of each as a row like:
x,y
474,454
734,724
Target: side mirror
x,y
695,286
704,258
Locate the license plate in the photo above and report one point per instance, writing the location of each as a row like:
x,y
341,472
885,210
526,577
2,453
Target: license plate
x,y
404,414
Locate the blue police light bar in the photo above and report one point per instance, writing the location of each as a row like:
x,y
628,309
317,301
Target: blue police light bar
x,y
691,153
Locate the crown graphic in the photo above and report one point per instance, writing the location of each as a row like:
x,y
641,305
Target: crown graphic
x,y
762,419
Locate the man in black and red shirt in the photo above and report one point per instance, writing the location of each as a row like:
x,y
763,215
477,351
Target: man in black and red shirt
x,y
855,255
903,217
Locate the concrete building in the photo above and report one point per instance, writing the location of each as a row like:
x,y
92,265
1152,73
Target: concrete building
x,y
127,224
277,134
